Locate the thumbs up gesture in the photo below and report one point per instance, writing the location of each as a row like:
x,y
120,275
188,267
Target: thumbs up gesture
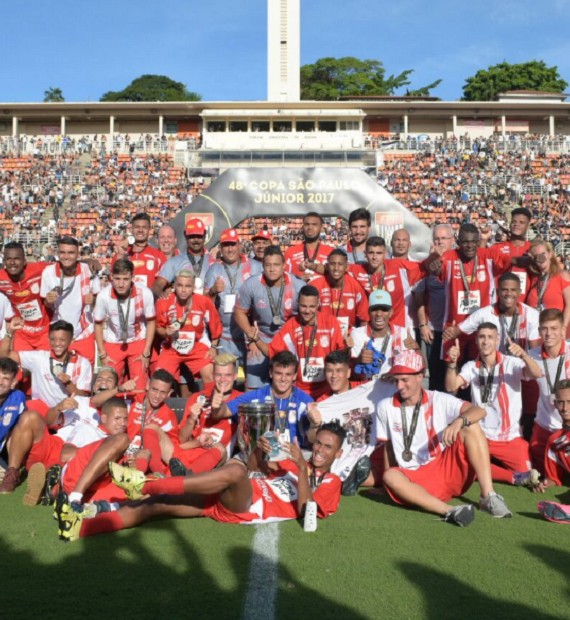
x,y
514,349
410,342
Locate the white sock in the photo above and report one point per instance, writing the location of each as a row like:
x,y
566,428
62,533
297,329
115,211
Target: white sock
x,y
75,497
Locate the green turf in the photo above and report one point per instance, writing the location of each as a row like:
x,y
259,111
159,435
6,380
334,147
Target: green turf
x,y
371,560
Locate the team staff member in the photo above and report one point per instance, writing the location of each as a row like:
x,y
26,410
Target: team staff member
x,y
68,289
263,304
307,259
259,243
183,318
310,335
125,323
147,261
359,222
400,244
21,284
167,242
434,447
196,258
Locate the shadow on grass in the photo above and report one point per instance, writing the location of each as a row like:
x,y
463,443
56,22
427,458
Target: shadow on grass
x,y
557,559
127,576
445,596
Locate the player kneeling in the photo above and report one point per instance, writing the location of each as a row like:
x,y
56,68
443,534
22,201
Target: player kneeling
x,y
277,492
434,447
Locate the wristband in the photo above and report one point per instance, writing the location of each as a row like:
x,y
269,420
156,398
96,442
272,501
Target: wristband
x,y
146,356
423,325
466,422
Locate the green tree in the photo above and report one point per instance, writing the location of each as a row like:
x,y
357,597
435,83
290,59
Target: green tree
x,y
152,88
330,78
487,84
53,95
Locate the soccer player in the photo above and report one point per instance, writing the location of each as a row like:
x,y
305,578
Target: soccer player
x,y
307,259
196,258
435,447
310,335
290,402
12,401
554,356
227,494
125,323
359,222
20,283
182,321
263,304
222,283
68,289
146,260
495,381
340,294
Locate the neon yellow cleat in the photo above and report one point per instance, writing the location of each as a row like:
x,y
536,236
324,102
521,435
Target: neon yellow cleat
x,y
129,479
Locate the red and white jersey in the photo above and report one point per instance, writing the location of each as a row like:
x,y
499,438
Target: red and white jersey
x,y
398,279
552,296
546,414
82,425
504,405
507,248
163,417
222,430
275,496
390,345
436,412
460,302
296,338
557,456
348,304
71,306
296,254
6,313
147,262
525,328
203,314
138,308
45,386
26,299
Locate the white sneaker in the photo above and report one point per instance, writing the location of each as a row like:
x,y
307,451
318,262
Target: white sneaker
x,y
495,505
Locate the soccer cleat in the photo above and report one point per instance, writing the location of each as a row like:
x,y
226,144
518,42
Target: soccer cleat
x,y
495,505
552,511
461,515
129,479
95,508
11,481
176,467
357,476
36,484
68,520
53,479
528,479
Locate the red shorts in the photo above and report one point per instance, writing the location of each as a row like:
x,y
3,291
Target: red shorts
x,y
23,341
197,359
85,347
188,457
47,451
449,475
76,466
214,509
511,454
38,406
131,355
538,446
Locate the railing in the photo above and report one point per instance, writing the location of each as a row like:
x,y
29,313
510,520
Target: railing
x,y
509,144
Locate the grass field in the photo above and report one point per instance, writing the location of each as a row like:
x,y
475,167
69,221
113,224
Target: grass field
x,y
370,560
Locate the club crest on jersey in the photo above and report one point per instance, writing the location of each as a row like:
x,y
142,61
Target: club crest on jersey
x,y
150,265
350,304
481,276
195,320
324,341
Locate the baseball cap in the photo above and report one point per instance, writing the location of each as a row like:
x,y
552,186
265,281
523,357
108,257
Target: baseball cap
x,y
379,298
229,236
195,226
262,234
407,363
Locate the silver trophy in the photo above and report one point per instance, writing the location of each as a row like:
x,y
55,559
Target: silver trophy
x,y
254,420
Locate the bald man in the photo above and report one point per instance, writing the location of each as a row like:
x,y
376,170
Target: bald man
x,y
400,244
167,241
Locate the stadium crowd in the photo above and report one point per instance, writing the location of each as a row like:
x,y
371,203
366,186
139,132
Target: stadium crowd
x,y
418,377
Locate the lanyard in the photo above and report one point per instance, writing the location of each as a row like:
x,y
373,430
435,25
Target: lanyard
x,y
409,436
541,285
196,265
309,350
124,318
56,367
177,324
144,418
558,373
313,480
486,383
384,342
380,284
276,307
308,258
512,331
339,298
65,291
467,285
234,279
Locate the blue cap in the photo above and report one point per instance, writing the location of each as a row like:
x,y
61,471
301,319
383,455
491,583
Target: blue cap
x,y
379,298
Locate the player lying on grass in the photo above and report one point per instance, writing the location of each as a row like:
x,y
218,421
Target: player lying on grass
x,y
275,492
435,447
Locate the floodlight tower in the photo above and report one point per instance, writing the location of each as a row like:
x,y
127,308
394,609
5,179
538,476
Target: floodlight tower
x,y
283,50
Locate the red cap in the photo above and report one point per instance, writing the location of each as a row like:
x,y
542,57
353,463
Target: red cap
x,y
407,363
195,226
262,234
229,236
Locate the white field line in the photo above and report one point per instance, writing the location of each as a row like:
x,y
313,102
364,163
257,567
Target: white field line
x,y
263,574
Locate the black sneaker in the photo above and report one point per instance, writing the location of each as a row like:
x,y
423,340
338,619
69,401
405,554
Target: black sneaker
x,y
53,479
357,476
176,467
461,515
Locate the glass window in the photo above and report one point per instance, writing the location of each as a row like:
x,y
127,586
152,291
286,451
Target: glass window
x,y
327,126
305,125
282,125
216,126
349,125
260,126
238,126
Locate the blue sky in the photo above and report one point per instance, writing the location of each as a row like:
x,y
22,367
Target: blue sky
x,y
218,47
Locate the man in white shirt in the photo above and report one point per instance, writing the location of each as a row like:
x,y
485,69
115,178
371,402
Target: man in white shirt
x,y
435,447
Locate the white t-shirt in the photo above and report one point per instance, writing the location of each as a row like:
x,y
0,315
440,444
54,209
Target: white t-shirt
x,y
361,335
106,310
504,406
6,313
69,306
436,412
45,386
81,425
